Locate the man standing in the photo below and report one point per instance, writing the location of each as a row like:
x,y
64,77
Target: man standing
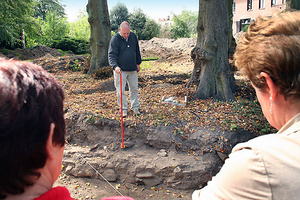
x,y
124,56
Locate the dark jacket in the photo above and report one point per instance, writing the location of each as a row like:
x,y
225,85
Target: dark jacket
x,y
124,54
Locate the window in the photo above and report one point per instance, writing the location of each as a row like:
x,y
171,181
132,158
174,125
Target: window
x,y
244,22
249,4
274,2
233,7
261,4
282,2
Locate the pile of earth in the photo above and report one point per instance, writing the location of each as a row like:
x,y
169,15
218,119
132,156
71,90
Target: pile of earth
x,y
170,50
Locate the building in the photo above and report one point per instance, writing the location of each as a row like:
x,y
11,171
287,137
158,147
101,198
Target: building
x,y
245,11
165,23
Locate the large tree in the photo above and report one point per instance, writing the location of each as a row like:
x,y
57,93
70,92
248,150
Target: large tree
x,y
16,16
137,21
100,33
151,29
42,7
212,73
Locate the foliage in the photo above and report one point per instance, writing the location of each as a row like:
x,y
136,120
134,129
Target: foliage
x,y
137,21
185,25
150,58
118,14
103,73
192,21
77,46
76,66
15,16
151,29
5,51
245,28
42,7
180,28
53,27
80,28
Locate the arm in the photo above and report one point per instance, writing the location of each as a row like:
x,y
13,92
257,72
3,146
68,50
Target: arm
x,y
138,54
113,52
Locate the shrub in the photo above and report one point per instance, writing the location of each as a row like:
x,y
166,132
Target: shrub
x,y
77,46
245,28
5,51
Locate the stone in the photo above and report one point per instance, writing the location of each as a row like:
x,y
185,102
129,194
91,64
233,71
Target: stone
x,y
145,175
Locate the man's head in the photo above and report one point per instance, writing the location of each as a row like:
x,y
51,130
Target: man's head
x,y
124,29
30,101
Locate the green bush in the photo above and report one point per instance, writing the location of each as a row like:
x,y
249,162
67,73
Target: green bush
x,y
77,46
5,51
245,28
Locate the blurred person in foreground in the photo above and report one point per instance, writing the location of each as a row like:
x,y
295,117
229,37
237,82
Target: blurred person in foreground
x,y
267,167
32,133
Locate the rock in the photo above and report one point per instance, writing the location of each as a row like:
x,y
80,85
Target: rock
x,y
160,138
162,153
144,175
150,182
110,175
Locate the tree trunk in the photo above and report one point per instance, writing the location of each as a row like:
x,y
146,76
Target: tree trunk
x,y
292,5
100,33
211,72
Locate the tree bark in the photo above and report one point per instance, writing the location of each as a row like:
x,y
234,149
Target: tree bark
x,y
212,73
292,5
100,33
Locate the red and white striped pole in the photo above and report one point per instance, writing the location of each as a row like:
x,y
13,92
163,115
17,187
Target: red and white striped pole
x,y
122,146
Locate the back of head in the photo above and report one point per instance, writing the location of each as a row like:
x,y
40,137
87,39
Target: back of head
x,y
30,100
272,45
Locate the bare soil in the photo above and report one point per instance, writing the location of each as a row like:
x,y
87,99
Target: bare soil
x,y
161,151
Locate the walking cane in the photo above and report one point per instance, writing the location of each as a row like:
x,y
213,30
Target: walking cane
x,y
122,146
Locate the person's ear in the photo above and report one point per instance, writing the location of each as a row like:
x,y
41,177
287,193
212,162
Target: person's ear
x,y
49,144
270,85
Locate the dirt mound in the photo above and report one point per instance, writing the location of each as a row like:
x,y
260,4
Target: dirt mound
x,y
33,53
168,49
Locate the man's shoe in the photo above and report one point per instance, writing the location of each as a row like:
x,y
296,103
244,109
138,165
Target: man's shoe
x,y
136,111
124,113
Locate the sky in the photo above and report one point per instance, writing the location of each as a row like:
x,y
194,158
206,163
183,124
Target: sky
x,y
154,9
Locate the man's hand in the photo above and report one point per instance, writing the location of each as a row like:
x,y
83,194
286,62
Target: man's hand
x,y
138,68
118,70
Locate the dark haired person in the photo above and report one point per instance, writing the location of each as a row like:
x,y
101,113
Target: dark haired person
x,y
267,167
124,56
32,132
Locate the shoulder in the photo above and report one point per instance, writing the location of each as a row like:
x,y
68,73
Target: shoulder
x,y
133,35
59,192
235,179
116,37
271,143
